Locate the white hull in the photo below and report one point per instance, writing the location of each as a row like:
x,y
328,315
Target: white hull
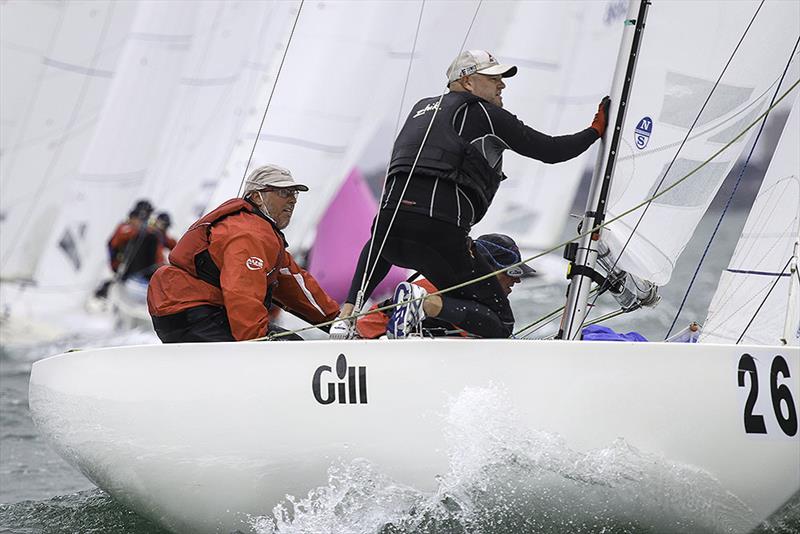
x,y
197,436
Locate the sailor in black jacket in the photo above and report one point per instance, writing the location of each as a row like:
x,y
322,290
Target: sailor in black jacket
x,y
446,187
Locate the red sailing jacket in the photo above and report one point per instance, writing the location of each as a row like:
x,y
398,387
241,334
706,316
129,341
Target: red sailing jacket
x,y
374,325
123,234
164,241
234,257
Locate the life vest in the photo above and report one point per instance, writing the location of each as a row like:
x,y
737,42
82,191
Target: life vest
x,y
445,154
191,252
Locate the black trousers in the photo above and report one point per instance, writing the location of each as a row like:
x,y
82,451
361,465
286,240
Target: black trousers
x,y
441,251
202,324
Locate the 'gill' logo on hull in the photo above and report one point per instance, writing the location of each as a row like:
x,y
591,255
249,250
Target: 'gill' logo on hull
x,y
642,132
351,387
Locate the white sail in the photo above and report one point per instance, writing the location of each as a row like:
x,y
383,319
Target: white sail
x,y
57,62
671,84
124,144
212,104
755,286
566,53
339,92
319,101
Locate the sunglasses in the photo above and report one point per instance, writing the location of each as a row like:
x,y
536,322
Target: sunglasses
x,y
284,193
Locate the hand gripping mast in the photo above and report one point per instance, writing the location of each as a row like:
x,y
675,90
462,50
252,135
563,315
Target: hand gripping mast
x,y
582,268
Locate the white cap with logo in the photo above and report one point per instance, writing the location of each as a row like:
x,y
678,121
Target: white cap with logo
x,y
478,61
271,176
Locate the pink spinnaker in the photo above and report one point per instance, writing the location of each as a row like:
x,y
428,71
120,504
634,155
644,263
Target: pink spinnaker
x,y
341,233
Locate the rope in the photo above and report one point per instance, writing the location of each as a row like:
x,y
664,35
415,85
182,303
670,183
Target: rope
x,y
545,320
563,244
414,165
548,318
365,279
680,147
775,283
269,100
606,317
730,198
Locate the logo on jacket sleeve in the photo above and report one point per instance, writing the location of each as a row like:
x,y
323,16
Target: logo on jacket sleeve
x,y
350,388
254,264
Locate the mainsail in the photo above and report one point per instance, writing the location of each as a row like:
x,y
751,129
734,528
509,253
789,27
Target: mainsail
x,y
124,144
182,74
753,298
58,60
667,107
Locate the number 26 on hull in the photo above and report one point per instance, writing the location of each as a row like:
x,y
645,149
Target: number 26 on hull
x,y
784,411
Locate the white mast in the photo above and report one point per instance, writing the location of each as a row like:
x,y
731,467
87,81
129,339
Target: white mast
x,y
582,268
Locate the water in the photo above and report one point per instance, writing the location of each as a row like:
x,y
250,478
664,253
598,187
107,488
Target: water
x,y
494,468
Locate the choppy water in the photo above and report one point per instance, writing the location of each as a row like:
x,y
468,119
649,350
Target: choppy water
x,y
500,480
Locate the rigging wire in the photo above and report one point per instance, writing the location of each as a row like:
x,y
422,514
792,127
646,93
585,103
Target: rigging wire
x,y
680,147
559,246
547,319
365,278
730,197
414,165
269,100
775,283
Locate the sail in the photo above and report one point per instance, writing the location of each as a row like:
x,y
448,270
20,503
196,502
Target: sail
x,y
318,105
229,59
340,91
341,233
753,296
57,62
566,53
672,81
124,143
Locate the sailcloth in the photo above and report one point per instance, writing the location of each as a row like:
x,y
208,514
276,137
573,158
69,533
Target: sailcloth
x,y
342,231
57,62
682,55
759,274
565,52
126,140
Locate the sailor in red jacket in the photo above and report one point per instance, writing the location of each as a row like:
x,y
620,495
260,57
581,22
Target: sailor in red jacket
x,y
165,241
124,242
232,265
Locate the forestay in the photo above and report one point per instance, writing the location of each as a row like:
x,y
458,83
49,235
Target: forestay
x,y
756,284
672,82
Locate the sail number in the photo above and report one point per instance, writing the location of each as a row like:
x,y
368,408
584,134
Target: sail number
x,y
781,396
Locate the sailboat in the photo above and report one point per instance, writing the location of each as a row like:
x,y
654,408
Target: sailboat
x,y
207,437
160,76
